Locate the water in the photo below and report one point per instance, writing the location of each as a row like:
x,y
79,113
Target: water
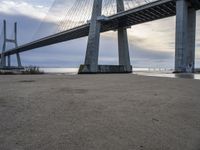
x,y
169,75
69,71
154,72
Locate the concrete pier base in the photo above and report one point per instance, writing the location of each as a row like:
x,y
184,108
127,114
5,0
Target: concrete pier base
x,y
85,69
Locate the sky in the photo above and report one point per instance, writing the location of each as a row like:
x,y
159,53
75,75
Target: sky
x,y
151,44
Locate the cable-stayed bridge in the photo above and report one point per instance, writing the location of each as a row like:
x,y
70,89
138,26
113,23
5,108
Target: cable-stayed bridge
x,y
105,15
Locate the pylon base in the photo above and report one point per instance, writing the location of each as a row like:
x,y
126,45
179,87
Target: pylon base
x,y
85,69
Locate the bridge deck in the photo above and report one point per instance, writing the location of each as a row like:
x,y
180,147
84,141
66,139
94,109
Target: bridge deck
x,y
149,12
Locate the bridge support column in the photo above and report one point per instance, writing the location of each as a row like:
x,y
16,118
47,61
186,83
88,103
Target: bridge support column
x,y
92,52
123,48
185,37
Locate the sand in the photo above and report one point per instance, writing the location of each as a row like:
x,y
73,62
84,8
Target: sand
x,y
99,112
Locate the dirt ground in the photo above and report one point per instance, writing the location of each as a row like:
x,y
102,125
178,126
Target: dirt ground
x,y
99,112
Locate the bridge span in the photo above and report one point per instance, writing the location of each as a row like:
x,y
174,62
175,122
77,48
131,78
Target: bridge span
x,y
185,11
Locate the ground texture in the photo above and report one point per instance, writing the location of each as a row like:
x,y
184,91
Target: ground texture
x,y
99,112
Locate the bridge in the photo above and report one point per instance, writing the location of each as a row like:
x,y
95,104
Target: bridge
x,y
185,11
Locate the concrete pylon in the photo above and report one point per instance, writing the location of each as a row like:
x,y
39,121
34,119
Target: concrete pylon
x,y
123,48
185,37
92,52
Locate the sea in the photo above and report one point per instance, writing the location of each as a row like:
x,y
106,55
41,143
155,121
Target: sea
x,y
154,72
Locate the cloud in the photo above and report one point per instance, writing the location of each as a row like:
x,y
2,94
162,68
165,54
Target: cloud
x,y
51,11
23,8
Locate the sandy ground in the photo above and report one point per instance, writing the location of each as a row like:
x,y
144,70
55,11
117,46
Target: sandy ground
x,y
99,112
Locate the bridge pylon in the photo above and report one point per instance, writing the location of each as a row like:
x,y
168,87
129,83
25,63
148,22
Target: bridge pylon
x,y
185,36
92,52
6,63
123,46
